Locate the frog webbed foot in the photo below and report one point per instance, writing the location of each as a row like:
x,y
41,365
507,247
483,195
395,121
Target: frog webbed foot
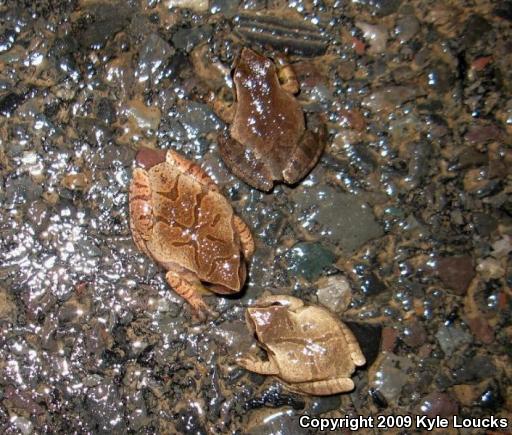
x,y
305,155
244,164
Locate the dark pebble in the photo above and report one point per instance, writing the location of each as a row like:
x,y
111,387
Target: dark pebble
x,y
275,397
189,422
474,369
414,335
321,405
439,404
504,10
9,103
491,398
372,285
456,272
485,224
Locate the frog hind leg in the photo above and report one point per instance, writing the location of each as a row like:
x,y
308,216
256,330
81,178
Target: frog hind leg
x,y
245,235
305,155
189,288
141,212
244,164
253,364
326,387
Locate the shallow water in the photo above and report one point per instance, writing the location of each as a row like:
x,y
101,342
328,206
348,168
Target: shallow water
x,y
404,227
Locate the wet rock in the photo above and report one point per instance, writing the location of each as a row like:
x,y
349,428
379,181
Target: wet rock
x,y
419,163
186,39
309,260
382,8
491,398
440,77
335,293
475,28
153,55
389,339
234,336
503,9
439,404
406,28
188,421
502,247
485,224
482,133
489,268
275,396
320,205
10,102
24,425
414,335
198,119
106,112
8,308
474,368
322,405
7,39
375,34
226,7
391,376
372,285
195,5
142,116
452,338
390,97
456,272
280,422
109,19
281,33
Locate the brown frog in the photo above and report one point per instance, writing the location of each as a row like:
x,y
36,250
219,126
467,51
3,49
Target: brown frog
x,y
268,139
179,218
307,347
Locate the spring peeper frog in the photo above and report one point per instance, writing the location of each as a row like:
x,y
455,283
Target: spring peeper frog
x,y
179,219
307,347
268,139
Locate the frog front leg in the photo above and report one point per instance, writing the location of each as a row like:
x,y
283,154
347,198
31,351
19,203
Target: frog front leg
x,y
305,154
256,365
244,164
324,388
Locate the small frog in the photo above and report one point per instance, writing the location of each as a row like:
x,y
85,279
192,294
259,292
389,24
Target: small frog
x,y
307,347
268,140
179,218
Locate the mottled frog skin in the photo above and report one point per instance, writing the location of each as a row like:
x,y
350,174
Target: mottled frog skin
x,y
307,346
268,139
179,219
